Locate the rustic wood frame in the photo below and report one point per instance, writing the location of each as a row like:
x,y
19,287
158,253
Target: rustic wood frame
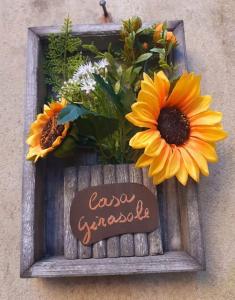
x,y
189,256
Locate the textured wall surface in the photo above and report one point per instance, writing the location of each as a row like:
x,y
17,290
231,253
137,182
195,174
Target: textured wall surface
x,y
210,45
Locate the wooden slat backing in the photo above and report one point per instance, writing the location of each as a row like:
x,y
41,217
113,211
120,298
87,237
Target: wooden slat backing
x,y
113,243
190,221
84,181
70,188
138,244
126,240
172,215
140,239
155,237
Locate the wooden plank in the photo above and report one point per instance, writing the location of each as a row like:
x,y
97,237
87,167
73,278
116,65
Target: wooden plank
x,y
173,214
70,188
126,240
190,221
93,29
99,248
84,180
140,239
169,262
28,184
55,207
155,237
113,244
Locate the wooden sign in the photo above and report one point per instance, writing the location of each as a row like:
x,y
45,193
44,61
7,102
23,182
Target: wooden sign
x,y
111,209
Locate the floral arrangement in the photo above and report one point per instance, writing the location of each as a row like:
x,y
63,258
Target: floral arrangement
x,y
127,104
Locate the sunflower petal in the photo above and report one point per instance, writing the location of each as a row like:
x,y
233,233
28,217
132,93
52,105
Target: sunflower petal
x,y
186,89
206,118
199,159
174,163
143,138
159,161
147,78
206,149
143,161
162,86
132,118
148,87
154,149
182,174
160,177
208,133
190,164
197,106
145,112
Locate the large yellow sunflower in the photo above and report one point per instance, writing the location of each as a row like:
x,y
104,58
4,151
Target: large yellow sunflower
x,y
45,134
181,129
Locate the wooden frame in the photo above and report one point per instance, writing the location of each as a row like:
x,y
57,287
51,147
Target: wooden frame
x,y
41,247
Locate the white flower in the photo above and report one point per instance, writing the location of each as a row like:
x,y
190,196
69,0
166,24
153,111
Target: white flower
x,y
83,70
87,84
102,64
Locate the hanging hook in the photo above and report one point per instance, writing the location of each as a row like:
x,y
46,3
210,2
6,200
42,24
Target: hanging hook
x,y
103,5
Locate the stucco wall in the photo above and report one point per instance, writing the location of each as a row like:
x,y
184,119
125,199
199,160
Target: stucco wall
x,y
208,25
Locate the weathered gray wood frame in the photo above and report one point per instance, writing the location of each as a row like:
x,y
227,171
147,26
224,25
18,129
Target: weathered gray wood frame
x,y
190,256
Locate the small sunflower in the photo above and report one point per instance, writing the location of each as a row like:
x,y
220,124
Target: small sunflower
x,y
181,129
45,134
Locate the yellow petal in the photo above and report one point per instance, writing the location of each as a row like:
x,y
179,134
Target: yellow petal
x,y
206,118
206,149
186,89
147,78
174,163
143,138
190,164
159,161
182,174
199,159
148,87
143,161
160,177
34,139
155,148
197,106
132,118
208,133
149,99
144,112
162,86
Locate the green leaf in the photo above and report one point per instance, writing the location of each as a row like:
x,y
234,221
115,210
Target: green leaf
x,y
71,112
92,48
117,87
158,50
143,57
67,148
96,126
109,92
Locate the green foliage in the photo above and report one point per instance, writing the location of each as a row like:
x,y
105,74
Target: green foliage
x,y
97,116
71,112
96,126
62,57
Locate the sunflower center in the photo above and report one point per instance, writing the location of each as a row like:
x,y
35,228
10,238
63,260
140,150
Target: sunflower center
x,y
173,126
50,132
